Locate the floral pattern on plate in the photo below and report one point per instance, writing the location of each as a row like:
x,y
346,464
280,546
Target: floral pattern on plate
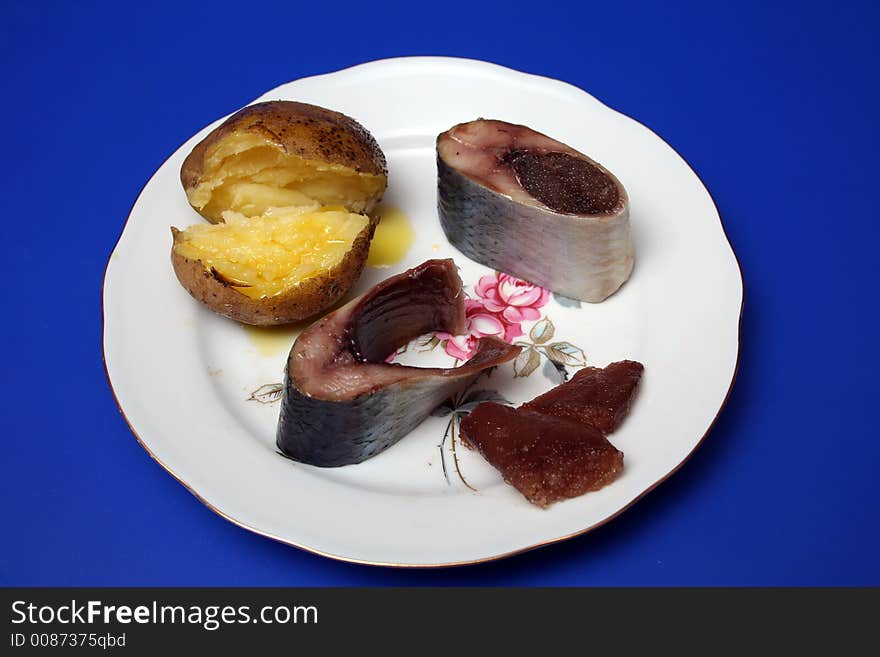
x,y
501,307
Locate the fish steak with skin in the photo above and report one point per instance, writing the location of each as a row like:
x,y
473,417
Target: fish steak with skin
x,y
342,402
525,204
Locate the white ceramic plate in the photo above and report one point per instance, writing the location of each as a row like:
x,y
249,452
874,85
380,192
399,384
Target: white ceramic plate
x,y
183,376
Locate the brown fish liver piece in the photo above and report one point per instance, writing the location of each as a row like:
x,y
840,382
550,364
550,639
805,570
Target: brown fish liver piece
x,y
545,457
554,447
599,397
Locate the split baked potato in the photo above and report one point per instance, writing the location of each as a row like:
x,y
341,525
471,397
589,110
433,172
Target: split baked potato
x,y
289,188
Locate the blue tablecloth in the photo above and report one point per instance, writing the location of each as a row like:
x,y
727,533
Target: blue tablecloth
x,y
774,104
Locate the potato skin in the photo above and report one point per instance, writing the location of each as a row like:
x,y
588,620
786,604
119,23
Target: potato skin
x,y
309,131
301,302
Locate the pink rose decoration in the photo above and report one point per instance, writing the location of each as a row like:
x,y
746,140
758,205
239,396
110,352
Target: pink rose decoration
x,y
514,300
504,303
479,325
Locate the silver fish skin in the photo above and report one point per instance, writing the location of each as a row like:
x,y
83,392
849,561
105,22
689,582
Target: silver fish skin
x,y
342,403
490,217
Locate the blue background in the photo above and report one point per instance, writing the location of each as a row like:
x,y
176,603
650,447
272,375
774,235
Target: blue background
x,y
775,106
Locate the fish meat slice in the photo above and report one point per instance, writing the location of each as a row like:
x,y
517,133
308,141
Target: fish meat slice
x,y
523,203
342,402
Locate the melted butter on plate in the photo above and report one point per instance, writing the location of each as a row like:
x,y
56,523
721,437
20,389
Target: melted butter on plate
x,y
394,235
271,340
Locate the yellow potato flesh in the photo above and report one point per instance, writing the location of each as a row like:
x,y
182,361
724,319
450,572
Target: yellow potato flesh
x,y
265,255
246,175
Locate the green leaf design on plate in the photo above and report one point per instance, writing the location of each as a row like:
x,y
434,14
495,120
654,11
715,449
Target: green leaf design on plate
x,y
427,342
542,331
554,371
566,353
267,393
527,362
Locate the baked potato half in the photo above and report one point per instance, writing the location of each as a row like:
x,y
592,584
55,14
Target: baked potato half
x,y
274,269
288,188
283,153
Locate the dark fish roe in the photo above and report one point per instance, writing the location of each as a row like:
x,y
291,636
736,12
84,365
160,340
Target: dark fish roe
x,y
546,458
564,183
599,397
554,447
